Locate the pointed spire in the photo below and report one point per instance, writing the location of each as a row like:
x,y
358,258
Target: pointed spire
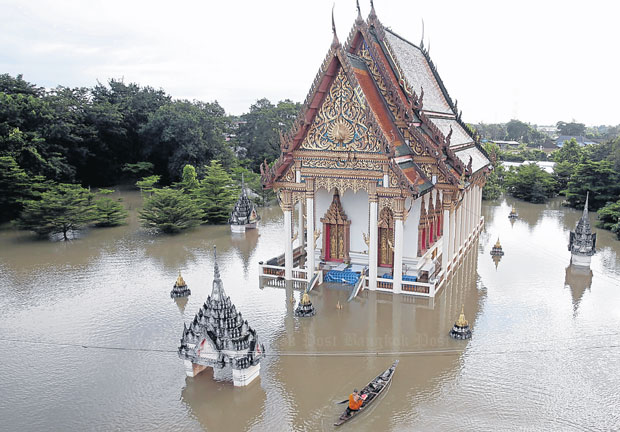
x,y
335,42
373,14
422,38
216,270
585,207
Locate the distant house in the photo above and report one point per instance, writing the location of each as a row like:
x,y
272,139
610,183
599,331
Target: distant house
x,y
581,140
550,131
506,145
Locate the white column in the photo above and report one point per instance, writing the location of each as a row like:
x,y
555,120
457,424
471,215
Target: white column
x,y
398,245
459,229
398,255
446,239
310,228
468,213
300,223
463,225
452,233
373,246
288,244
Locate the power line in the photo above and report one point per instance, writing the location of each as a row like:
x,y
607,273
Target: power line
x,y
329,353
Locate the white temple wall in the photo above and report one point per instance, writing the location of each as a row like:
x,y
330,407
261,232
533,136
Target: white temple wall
x,y
410,231
356,208
322,201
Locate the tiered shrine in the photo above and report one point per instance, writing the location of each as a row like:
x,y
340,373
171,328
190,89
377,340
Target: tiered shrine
x,y
180,288
219,337
305,307
243,215
582,242
380,169
461,329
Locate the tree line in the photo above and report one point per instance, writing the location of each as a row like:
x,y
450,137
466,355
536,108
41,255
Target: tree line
x,y
594,168
530,136
115,133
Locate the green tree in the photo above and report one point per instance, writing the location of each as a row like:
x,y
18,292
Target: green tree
x,y
189,180
147,185
60,210
530,183
597,177
217,193
109,212
15,186
572,129
170,211
259,130
562,173
138,169
183,132
493,188
609,217
570,152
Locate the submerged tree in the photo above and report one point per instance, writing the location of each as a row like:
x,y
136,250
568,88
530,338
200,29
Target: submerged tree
x,y
60,210
530,183
170,211
216,194
109,212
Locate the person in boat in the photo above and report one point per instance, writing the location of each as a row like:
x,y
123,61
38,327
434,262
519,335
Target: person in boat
x,y
355,402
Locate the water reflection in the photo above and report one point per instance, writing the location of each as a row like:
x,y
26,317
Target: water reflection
x,y
531,354
219,406
578,279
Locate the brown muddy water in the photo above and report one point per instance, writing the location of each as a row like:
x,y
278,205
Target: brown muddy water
x,y
88,335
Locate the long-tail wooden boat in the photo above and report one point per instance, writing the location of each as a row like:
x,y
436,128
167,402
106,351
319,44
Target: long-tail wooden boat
x,y
372,392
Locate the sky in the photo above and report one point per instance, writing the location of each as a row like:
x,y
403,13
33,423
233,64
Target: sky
x,y
537,61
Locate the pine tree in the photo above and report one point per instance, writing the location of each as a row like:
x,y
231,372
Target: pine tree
x,y
170,211
60,210
216,194
109,212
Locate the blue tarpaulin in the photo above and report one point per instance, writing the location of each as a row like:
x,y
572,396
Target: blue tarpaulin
x,y
343,276
407,278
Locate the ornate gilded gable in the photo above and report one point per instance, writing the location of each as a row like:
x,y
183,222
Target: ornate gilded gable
x,y
335,213
340,124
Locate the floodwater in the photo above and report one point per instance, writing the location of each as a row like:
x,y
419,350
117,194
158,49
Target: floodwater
x,y
88,335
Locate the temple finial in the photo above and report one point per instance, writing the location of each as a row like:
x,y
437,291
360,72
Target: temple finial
x,y
422,39
216,270
335,42
373,14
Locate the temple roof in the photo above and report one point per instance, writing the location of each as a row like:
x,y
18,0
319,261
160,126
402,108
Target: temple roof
x,y
418,73
401,95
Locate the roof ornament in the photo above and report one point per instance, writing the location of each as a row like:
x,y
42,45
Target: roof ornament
x,y
449,136
335,42
422,39
373,14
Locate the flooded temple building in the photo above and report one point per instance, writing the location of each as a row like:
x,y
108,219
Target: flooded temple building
x,y
219,337
582,242
384,178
